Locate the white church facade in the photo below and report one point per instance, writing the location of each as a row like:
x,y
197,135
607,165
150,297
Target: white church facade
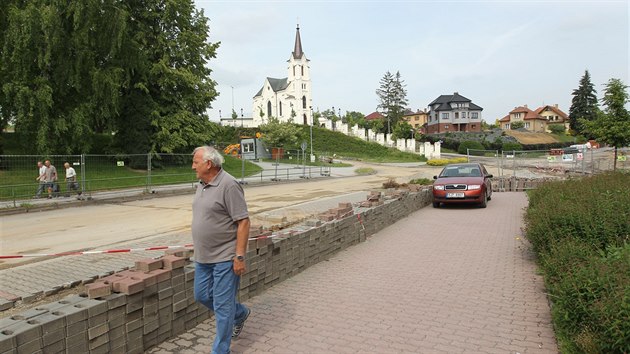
x,y
289,98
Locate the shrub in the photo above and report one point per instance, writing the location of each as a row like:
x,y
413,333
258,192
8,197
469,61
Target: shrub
x,y
517,125
592,303
556,128
472,145
580,230
391,183
510,146
444,162
421,181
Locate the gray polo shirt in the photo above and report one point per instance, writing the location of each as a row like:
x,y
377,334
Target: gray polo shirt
x,y
217,207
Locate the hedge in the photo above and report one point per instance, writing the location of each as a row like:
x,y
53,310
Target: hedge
x,y
580,230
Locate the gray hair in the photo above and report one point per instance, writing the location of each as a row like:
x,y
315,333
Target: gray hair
x,y
210,154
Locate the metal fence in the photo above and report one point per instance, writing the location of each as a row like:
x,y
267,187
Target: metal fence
x,y
554,162
113,173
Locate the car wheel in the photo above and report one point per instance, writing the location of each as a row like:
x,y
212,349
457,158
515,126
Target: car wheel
x,y
484,202
436,204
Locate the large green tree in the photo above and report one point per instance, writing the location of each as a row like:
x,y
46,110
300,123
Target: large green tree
x,y
584,104
392,98
135,68
612,126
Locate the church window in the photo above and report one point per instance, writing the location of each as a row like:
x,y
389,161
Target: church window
x,y
302,67
293,70
305,121
280,109
304,102
268,108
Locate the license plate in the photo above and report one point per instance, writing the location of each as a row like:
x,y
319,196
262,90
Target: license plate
x,y
455,195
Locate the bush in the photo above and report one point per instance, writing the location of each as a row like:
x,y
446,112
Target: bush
x,y
509,146
421,181
517,125
580,230
472,145
556,128
592,303
444,162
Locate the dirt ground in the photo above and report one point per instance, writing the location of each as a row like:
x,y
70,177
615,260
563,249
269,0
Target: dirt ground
x,y
105,225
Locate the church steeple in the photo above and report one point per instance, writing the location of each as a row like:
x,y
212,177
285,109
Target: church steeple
x,y
297,50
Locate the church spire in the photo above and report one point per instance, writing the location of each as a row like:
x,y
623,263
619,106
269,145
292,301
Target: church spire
x,y
297,50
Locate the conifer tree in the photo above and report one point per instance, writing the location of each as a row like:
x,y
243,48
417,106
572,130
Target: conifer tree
x,y
584,104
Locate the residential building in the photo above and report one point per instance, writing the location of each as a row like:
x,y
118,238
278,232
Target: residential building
x,y
287,98
417,120
532,120
453,113
554,116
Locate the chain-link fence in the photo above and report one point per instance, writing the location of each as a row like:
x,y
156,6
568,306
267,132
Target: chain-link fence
x,y
554,162
113,173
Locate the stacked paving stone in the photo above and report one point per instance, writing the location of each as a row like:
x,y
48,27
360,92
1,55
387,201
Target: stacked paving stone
x,y
126,312
518,184
133,310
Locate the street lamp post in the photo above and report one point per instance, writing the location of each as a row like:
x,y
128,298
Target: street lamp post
x,y
242,118
311,131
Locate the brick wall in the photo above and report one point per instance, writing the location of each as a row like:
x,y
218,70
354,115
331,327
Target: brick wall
x,y
134,310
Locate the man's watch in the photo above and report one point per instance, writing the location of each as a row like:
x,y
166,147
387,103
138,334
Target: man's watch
x,y
239,257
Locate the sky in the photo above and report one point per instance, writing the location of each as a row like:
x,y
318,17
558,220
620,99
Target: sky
x,y
499,54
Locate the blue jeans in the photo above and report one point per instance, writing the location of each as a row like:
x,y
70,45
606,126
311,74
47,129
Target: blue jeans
x,y
216,287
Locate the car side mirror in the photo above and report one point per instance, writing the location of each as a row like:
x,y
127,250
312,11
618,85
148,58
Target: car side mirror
x,y
434,177
489,176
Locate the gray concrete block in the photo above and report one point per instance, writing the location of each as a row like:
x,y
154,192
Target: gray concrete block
x,y
79,348
97,331
134,325
79,339
24,332
77,327
98,341
94,321
115,300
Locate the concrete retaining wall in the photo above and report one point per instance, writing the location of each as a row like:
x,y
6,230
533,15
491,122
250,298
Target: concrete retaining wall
x,y
133,310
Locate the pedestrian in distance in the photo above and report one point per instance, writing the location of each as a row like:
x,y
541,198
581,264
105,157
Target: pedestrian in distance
x,y
41,178
51,179
220,231
71,180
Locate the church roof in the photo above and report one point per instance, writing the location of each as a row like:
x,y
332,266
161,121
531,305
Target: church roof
x,y
297,50
276,85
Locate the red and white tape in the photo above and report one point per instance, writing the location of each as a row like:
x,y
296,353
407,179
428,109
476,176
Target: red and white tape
x,y
120,250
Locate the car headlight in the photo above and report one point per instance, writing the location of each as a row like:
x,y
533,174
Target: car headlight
x,y
438,188
472,187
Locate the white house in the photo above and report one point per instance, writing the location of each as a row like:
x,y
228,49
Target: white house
x,y
287,98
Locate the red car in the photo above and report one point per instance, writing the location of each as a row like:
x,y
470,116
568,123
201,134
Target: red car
x,y
462,183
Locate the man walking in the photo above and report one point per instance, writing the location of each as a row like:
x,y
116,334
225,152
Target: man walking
x,y
51,179
220,229
41,179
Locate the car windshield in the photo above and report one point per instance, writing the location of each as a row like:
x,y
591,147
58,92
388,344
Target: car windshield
x,y
461,171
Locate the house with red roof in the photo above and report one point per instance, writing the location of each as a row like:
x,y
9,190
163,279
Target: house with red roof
x,y
374,116
554,116
537,120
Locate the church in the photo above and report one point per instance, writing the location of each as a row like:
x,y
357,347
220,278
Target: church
x,y
289,98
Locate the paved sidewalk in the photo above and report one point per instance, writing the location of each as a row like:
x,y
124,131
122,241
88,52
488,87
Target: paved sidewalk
x,y
448,280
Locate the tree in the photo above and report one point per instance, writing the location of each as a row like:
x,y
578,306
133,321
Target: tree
x,y
402,130
517,125
135,68
392,98
355,118
612,126
276,134
584,104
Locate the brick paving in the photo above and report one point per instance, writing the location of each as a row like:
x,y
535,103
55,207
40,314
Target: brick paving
x,y
448,280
